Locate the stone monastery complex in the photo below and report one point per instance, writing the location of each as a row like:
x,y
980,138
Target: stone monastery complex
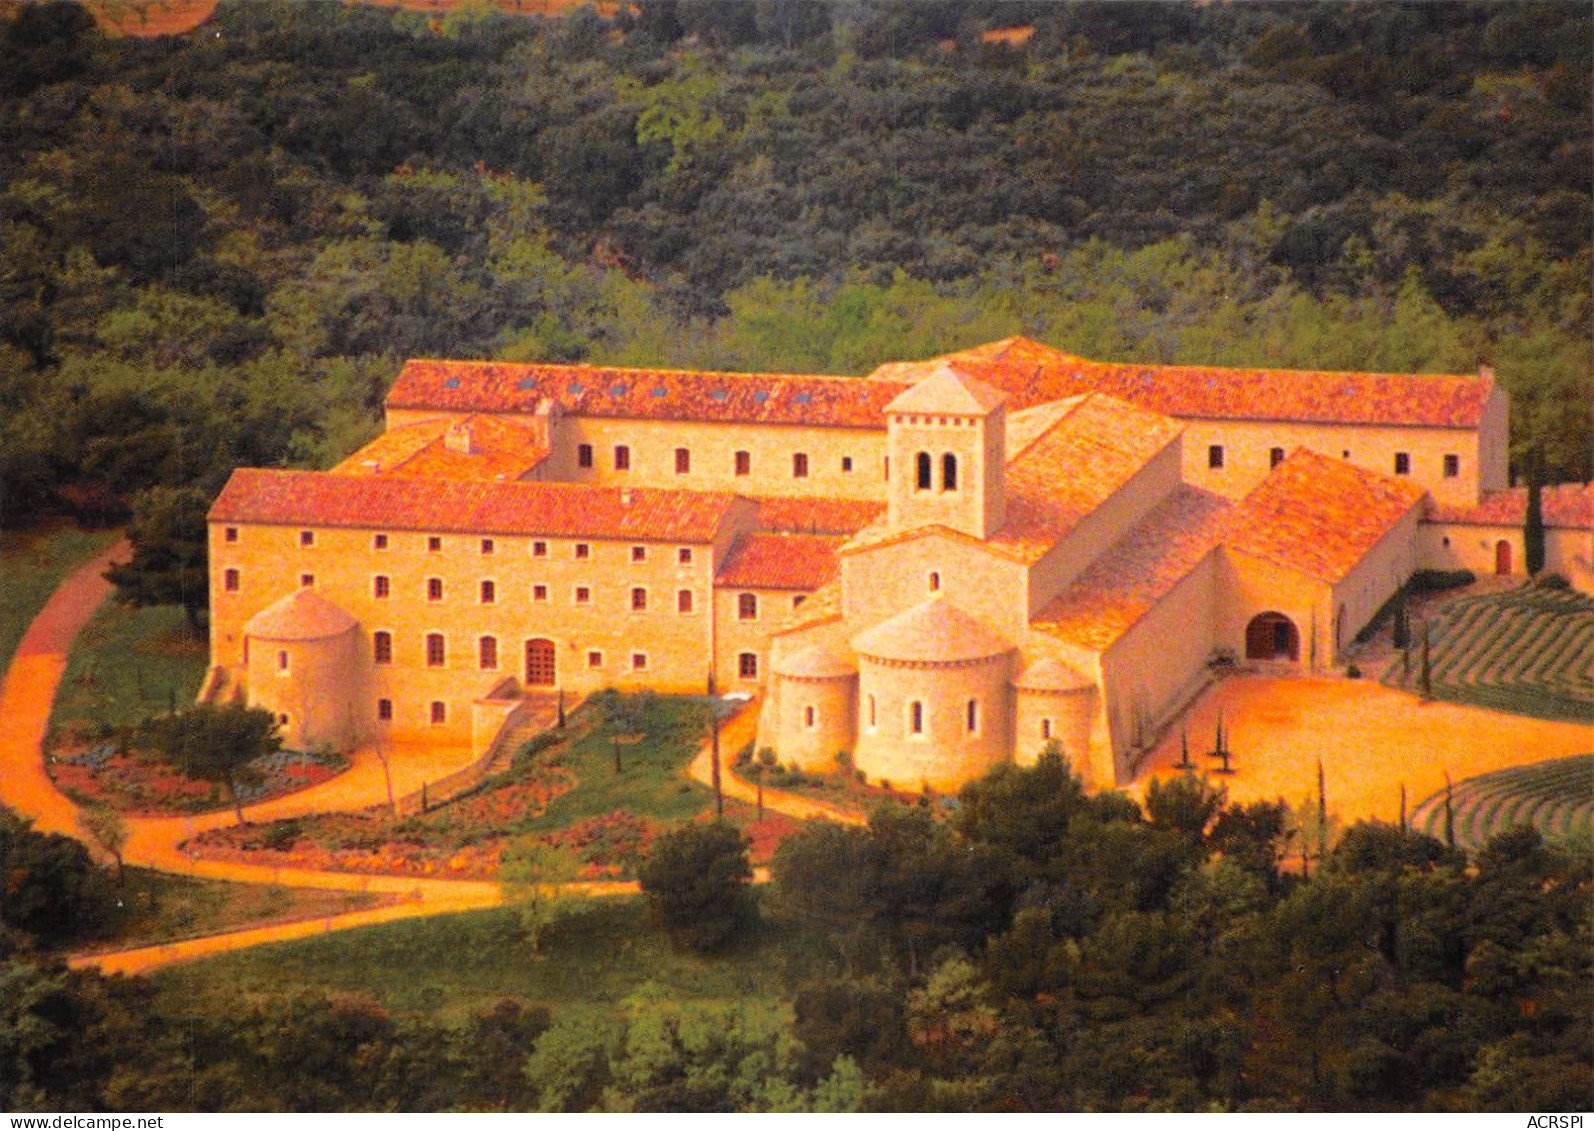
x,y
939,567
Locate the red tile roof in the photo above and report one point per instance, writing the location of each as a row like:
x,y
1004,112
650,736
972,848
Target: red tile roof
x,y
821,607
1138,570
1319,515
644,394
816,515
779,561
1033,373
313,498
498,449
1568,506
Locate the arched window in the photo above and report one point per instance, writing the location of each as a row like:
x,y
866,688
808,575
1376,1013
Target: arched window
x,y
935,580
435,650
915,717
382,647
949,472
974,715
871,713
924,478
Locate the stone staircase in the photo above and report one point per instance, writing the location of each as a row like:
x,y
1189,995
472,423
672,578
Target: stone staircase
x,y
539,712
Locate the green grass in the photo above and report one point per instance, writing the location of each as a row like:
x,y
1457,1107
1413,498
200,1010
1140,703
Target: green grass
x,y
32,564
129,664
1555,797
164,908
449,968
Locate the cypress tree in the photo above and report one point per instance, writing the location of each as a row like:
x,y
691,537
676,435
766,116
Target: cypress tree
x,y
1533,524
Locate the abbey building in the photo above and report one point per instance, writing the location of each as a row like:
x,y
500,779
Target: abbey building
x,y
935,568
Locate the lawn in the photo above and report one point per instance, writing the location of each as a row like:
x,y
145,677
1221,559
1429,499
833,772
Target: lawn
x,y
32,564
129,664
163,908
452,967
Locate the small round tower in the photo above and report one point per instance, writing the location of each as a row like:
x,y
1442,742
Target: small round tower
x,y
816,694
300,660
1054,703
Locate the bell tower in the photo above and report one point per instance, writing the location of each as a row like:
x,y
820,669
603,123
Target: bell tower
x,y
946,440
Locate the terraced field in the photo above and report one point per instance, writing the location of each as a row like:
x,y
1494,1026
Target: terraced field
x,y
1529,651
1555,797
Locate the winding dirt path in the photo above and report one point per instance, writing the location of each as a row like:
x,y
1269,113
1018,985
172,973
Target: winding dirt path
x,y
735,733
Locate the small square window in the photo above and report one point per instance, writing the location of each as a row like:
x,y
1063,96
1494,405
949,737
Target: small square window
x,y
434,544
379,541
1452,466
583,551
306,580
439,712
639,553
799,465
639,600
684,555
747,606
489,592
639,661
381,587
384,710
583,595
539,592
683,601
1402,463
382,648
307,537
1275,456
583,455
1215,456
622,458
230,534
539,549
434,588
229,580
594,660
488,546
846,463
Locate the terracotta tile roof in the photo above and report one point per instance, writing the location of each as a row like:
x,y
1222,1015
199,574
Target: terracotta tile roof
x,y
478,447
822,607
1319,515
1072,468
816,515
946,390
1568,506
380,502
935,630
302,615
1122,585
1033,373
779,561
644,394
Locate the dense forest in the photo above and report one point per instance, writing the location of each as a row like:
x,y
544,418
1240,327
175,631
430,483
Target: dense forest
x,y
1041,950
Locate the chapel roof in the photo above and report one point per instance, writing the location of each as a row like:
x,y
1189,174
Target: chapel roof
x,y
1033,373
378,502
817,662
302,615
1052,674
644,394
1318,515
946,390
1567,506
779,561
933,631
477,447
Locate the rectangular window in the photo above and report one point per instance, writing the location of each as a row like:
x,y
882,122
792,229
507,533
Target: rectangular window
x,y
810,718
487,653
684,555
539,592
683,601
306,580
594,660
799,465
381,587
384,710
1275,456
747,665
583,551
1402,463
1215,456
744,463
973,716
434,588
583,455
282,661
747,606
1452,466
639,661
434,544
436,650
639,553
1046,728
307,537
539,549
622,458
379,541
488,546
639,600
230,534
382,648
846,463
489,592
439,713
683,461
583,595
229,580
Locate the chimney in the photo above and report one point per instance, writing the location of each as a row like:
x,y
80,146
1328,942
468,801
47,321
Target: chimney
x,y
625,496
458,438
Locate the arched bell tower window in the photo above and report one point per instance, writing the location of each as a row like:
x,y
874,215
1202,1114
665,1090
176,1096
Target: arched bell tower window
x,y
949,472
925,472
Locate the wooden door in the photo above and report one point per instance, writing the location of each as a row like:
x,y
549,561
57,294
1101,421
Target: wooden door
x,y
541,670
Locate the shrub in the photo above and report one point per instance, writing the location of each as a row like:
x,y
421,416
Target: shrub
x,y
695,879
1551,581
1433,580
1352,672
282,835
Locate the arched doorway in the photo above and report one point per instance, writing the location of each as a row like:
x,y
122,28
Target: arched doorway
x,y
1272,636
541,668
1502,558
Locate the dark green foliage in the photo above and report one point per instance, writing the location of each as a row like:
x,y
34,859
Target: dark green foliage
x,y
215,743
1533,527
50,887
170,564
695,879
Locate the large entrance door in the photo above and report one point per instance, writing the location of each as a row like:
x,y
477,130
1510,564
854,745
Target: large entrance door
x,y
1272,636
1502,558
541,670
